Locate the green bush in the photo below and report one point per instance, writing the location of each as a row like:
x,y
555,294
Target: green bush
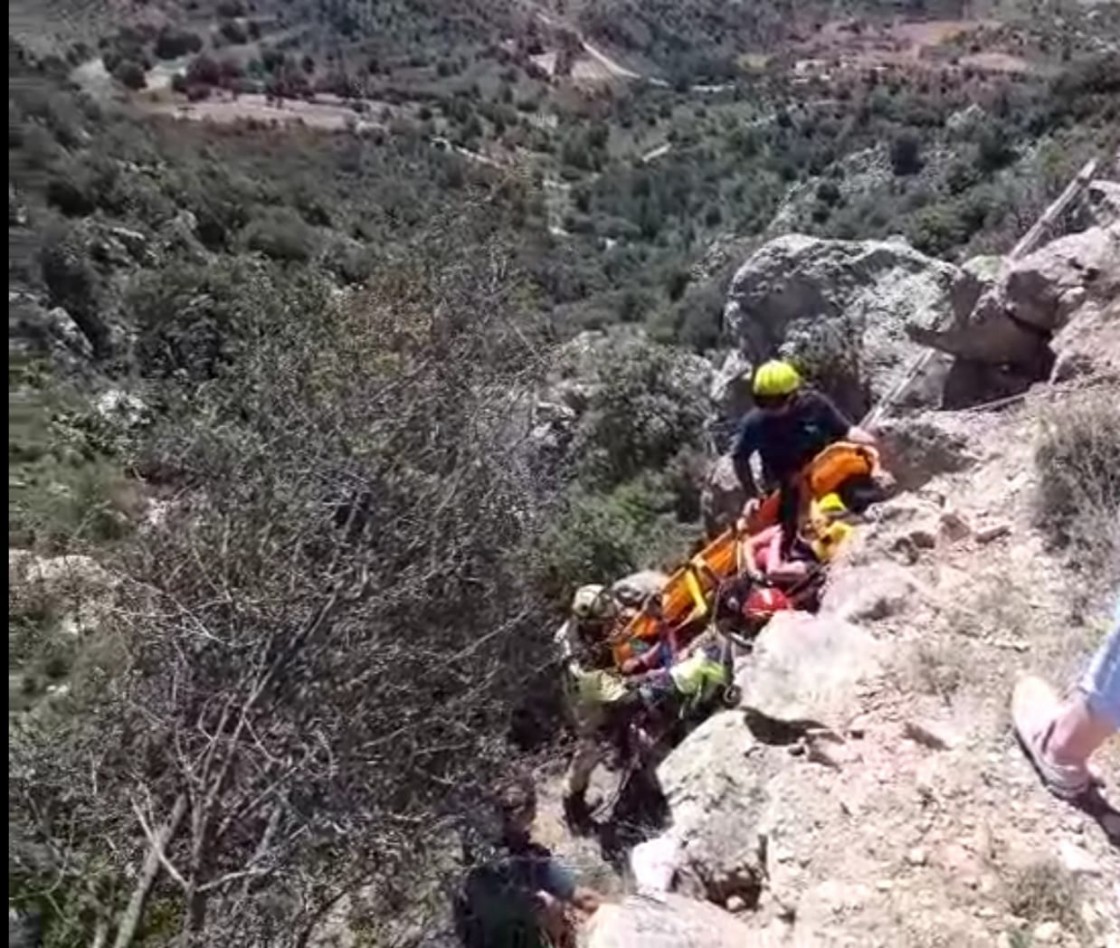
x,y
171,43
130,74
280,233
597,538
63,473
906,157
192,319
647,410
69,189
995,148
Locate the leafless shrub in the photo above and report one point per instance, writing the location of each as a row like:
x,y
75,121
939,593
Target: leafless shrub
x,y
1078,460
325,643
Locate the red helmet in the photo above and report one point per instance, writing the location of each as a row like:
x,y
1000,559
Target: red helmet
x,y
764,601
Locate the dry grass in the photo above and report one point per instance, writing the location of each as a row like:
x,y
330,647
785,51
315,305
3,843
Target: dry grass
x,y
1078,460
1045,892
936,668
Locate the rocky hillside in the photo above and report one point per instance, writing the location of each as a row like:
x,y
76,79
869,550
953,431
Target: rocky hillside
x,y
315,427
870,791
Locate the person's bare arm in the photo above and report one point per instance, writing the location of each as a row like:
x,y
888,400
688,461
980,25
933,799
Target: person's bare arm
x,y
858,435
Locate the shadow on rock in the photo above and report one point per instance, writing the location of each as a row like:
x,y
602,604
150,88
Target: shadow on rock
x,y
639,812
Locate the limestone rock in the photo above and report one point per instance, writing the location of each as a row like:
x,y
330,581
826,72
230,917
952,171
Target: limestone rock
x,y
134,242
819,299
809,668
1089,344
1044,288
977,275
715,798
722,498
117,405
731,396
33,327
868,592
920,447
1099,205
966,122
670,922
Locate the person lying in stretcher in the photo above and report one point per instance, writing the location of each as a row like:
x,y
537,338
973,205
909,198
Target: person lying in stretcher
x,y
764,563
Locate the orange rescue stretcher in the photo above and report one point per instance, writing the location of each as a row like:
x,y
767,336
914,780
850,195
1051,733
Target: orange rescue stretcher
x,y
687,595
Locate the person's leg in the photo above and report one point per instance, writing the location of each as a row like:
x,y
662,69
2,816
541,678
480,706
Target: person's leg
x,y
1062,736
587,755
1101,682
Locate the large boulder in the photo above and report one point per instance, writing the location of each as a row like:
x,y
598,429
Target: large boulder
x,y
1044,288
809,668
920,447
671,921
715,796
842,305
731,397
1013,322
977,276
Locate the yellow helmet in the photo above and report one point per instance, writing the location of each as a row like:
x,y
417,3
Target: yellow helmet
x,y
592,602
827,508
776,378
829,540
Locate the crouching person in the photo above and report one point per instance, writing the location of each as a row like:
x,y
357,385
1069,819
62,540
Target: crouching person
x,y
599,703
520,897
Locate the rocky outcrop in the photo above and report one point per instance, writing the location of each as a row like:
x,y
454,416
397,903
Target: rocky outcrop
x,y
920,447
842,307
1099,206
37,329
1089,344
809,668
671,921
722,498
977,276
715,798
731,396
1034,298
1043,289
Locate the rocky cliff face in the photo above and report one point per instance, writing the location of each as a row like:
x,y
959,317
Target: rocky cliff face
x,y
868,791
842,306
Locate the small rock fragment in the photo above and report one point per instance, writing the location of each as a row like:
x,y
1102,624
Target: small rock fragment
x,y
917,856
954,526
736,903
992,532
923,539
1047,932
934,736
1077,860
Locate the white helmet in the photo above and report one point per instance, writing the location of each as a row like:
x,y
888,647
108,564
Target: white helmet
x,y
592,602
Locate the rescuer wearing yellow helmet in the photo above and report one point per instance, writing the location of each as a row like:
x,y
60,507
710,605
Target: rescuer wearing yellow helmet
x,y
789,426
